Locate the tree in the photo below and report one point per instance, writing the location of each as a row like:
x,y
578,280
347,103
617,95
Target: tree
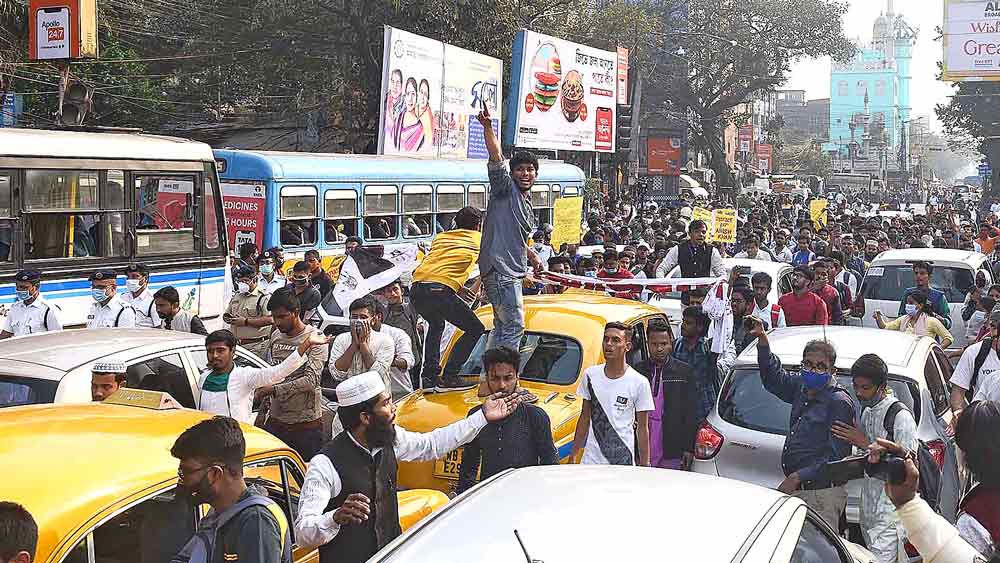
x,y
807,158
734,49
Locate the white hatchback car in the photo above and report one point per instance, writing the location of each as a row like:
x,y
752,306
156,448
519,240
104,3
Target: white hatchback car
x,y
955,273
54,367
607,513
744,435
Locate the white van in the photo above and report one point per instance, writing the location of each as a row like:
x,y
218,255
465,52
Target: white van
x,y
955,273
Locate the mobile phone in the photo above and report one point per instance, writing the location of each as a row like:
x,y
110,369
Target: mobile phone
x,y
890,468
847,469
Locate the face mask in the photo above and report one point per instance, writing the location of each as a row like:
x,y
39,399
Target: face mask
x,y
814,380
99,294
133,285
25,295
243,287
911,309
979,317
538,246
266,269
300,282
590,274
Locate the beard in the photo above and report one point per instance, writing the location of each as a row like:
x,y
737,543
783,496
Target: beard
x,y
382,434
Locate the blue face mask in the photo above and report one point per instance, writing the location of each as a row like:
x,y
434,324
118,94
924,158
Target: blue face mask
x,y
99,294
23,295
814,380
590,274
876,399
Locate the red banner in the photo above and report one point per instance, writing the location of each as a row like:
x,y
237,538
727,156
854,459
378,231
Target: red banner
x,y
244,208
764,153
622,76
663,156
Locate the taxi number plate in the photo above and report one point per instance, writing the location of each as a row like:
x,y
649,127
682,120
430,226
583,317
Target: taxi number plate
x,y
447,467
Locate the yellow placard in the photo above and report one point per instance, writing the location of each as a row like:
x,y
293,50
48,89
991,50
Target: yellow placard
x,y
724,222
702,214
567,216
817,212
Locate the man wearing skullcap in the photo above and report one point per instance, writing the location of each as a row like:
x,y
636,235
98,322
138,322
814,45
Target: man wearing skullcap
x,y
105,379
348,506
108,309
30,313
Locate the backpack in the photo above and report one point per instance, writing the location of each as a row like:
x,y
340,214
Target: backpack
x,y
201,546
984,352
930,474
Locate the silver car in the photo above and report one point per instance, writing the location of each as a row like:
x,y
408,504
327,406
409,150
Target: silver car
x,y
744,435
607,513
54,367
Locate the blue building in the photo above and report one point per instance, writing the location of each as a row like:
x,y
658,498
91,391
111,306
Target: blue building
x,y
870,100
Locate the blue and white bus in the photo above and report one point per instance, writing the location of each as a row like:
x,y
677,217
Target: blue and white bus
x,y
74,202
300,201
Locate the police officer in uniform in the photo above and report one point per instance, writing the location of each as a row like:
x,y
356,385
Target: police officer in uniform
x,y
248,315
139,296
30,313
108,309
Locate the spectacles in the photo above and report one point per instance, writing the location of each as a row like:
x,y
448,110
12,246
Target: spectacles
x,y
863,387
181,472
815,367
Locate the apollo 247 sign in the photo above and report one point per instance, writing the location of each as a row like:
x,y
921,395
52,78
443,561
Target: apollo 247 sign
x,y
971,40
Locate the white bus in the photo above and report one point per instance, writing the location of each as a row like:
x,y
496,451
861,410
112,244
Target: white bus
x,y
73,202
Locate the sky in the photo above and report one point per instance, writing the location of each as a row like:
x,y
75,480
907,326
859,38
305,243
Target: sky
x,y
926,91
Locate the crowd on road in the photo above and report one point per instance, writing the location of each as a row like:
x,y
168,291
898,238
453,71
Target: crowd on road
x,y
648,414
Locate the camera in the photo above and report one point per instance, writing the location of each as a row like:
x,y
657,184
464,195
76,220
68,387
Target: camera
x,y
889,468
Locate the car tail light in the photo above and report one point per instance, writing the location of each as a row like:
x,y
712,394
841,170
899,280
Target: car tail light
x,y
911,551
937,450
708,442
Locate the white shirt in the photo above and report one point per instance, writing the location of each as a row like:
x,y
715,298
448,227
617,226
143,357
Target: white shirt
x,y
988,373
104,316
764,314
382,347
544,254
314,528
933,536
761,255
145,310
670,260
845,276
620,399
23,319
237,401
403,348
269,287
784,255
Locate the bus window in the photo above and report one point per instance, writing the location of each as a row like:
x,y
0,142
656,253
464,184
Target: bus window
x,y
417,211
381,218
6,216
340,215
298,215
449,200
164,213
477,196
210,201
63,219
541,203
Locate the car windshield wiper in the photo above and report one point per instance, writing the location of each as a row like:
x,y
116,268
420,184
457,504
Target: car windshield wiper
x,y
525,549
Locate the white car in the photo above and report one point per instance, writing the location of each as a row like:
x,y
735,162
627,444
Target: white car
x,y
955,273
54,367
608,513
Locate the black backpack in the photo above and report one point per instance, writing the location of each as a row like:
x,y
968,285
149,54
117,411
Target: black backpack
x,y
984,352
930,473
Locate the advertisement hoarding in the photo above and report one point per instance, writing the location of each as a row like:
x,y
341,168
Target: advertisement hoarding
x,y
746,138
564,95
431,94
764,158
663,156
622,76
62,29
243,205
971,40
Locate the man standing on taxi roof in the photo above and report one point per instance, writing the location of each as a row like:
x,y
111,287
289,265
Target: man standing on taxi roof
x,y
139,297
105,379
30,313
108,309
348,507
247,312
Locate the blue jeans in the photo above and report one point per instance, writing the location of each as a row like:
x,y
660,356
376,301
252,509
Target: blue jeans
x,y
504,294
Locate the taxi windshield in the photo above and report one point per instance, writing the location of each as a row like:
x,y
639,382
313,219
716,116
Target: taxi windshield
x,y
545,358
17,391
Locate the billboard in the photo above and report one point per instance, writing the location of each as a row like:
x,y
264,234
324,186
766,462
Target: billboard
x,y
746,138
764,153
971,40
244,209
663,156
431,94
564,95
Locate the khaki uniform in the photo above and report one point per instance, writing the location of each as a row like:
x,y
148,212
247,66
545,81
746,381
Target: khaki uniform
x,y
251,305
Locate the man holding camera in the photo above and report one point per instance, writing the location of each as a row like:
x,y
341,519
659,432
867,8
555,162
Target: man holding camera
x,y
880,412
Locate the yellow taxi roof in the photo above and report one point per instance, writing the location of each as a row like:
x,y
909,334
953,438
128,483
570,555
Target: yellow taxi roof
x,y
69,463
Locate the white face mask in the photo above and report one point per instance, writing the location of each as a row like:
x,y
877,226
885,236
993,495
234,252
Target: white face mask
x,y
133,285
979,317
243,287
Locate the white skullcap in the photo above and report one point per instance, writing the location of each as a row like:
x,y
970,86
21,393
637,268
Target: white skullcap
x,y
108,367
358,389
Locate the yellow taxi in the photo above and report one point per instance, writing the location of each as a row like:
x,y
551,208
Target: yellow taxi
x,y
563,336
99,480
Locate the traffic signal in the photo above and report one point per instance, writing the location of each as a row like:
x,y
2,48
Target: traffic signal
x,y
76,103
624,142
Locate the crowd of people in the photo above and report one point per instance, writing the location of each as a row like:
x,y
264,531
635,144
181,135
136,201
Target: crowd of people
x,y
646,414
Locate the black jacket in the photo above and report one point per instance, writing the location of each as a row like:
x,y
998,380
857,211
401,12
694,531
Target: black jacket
x,y
680,402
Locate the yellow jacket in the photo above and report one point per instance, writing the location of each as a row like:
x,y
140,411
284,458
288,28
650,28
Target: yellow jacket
x,y
451,260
